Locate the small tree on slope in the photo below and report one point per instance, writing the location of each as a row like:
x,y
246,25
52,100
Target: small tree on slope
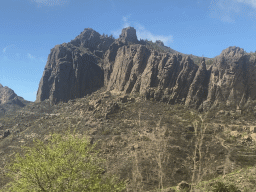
x,y
66,165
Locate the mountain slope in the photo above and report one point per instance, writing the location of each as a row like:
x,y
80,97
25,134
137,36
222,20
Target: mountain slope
x,y
152,144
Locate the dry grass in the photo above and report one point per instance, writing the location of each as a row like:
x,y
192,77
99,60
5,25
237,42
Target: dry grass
x,y
147,142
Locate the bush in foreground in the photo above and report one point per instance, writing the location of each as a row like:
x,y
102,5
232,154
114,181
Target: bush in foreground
x,y
221,187
69,164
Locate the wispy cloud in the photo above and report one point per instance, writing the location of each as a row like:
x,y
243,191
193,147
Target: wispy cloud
x,y
50,2
227,10
248,2
141,32
224,10
4,49
126,22
35,58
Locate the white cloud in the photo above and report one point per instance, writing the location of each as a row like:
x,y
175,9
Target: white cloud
x,y
126,22
50,2
4,49
141,32
227,10
117,32
224,10
249,2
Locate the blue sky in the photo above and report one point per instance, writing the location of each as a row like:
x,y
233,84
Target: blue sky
x,y
30,28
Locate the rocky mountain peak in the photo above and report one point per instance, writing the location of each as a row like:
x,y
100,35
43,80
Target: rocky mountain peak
x,y
9,101
128,35
232,51
6,94
88,34
71,72
93,41
159,42
88,38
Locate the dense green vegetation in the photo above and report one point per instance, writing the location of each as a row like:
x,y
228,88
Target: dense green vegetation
x,y
66,163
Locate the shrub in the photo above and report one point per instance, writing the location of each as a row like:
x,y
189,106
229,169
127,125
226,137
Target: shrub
x,y
69,164
221,187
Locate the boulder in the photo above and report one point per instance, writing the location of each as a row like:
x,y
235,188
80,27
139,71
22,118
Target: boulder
x,y
184,186
6,133
95,103
123,99
111,108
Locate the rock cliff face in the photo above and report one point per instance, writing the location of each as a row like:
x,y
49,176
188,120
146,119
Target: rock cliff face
x,y
6,94
232,79
91,61
9,100
73,69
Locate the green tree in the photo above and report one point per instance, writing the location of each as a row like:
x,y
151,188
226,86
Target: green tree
x,y
63,164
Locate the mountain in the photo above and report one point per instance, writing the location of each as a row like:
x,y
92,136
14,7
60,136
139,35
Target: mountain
x,y
108,89
9,100
92,61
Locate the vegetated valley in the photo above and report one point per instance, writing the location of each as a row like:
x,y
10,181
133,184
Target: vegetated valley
x,y
154,145
163,120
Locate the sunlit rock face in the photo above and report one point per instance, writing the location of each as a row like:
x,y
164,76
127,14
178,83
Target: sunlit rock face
x,y
92,61
232,79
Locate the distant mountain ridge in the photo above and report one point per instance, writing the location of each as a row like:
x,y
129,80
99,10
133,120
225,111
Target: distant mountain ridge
x,y
92,61
9,100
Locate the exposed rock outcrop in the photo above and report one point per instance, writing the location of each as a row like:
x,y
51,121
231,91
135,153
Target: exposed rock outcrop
x,y
136,69
6,94
92,40
128,35
9,100
69,74
232,79
91,61
73,69
198,90
159,42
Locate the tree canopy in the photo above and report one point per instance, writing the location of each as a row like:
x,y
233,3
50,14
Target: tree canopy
x,y
63,164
